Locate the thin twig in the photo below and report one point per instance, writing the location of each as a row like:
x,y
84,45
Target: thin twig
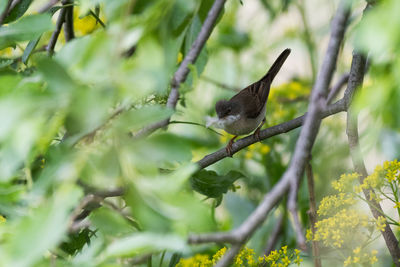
x,y
183,70
273,238
355,81
56,33
303,146
5,11
336,88
312,213
13,5
69,20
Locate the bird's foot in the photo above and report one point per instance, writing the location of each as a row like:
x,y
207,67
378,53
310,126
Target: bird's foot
x,y
228,147
257,132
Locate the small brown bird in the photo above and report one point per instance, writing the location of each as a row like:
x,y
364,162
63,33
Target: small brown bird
x,y
245,111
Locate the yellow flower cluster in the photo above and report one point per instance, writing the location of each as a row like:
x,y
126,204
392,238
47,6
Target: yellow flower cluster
x,y
341,228
246,257
361,258
257,148
380,223
290,91
392,169
345,182
331,204
341,224
281,258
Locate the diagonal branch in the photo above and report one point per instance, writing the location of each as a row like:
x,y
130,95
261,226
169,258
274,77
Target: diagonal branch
x,y
5,11
355,81
304,144
56,33
183,70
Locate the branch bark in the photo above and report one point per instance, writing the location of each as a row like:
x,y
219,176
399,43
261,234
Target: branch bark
x,y
69,21
355,81
56,33
183,70
304,144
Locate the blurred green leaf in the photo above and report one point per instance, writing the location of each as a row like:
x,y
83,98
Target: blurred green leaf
x,y
29,49
47,223
110,222
144,242
18,11
211,184
26,28
5,62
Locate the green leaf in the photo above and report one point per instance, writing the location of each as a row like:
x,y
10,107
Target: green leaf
x,y
211,184
18,11
145,242
42,229
110,222
56,76
27,28
29,49
135,119
4,62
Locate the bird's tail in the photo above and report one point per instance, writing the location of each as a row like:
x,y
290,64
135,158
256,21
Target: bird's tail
x,y
276,66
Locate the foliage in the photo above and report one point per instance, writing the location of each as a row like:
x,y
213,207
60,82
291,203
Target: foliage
x,y
246,257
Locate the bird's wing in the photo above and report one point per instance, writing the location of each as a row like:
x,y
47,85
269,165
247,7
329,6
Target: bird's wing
x,y
257,93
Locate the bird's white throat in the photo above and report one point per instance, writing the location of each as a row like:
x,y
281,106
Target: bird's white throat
x,y
221,123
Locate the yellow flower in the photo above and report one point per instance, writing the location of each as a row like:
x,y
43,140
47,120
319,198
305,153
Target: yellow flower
x,y
357,250
248,155
264,149
286,261
347,261
309,235
179,58
380,223
2,219
356,259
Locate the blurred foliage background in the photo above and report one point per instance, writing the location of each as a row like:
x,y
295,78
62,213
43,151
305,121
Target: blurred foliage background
x,y
77,190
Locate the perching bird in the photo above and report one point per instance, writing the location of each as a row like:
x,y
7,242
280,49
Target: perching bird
x,y
245,111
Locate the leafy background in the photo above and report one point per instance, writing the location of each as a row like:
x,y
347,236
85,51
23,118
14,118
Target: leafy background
x,y
65,122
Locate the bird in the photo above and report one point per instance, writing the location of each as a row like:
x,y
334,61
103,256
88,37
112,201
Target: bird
x,y
245,111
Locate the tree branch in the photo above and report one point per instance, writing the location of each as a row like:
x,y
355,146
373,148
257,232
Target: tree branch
x,y
355,81
183,70
336,88
69,21
274,235
284,127
56,33
306,139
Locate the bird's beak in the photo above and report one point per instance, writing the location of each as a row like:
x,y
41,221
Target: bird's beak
x,y
211,121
